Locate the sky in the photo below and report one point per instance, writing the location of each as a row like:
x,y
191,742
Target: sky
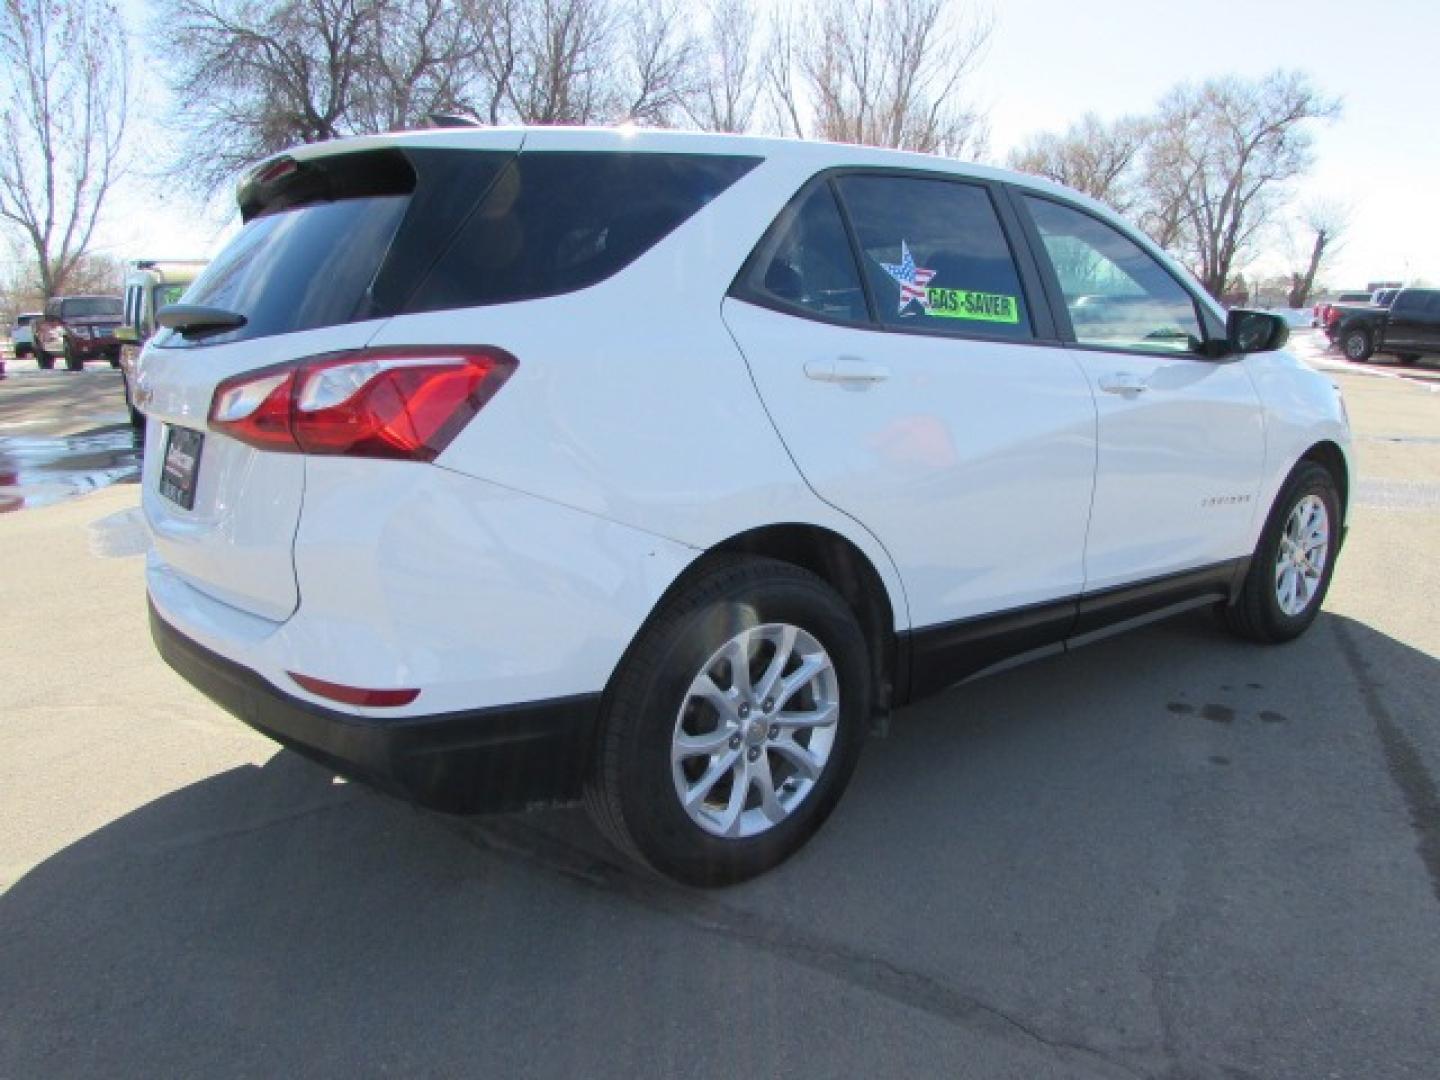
x,y
1050,61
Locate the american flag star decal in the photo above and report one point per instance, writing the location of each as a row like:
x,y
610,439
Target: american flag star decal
x,y
912,279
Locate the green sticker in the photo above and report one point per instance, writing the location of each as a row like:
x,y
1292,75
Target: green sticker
x,y
964,304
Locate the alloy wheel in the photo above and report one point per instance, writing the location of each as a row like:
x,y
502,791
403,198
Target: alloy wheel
x,y
1300,561
755,731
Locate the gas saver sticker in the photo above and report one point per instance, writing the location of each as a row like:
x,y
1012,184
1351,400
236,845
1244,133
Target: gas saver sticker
x,y
965,304
946,303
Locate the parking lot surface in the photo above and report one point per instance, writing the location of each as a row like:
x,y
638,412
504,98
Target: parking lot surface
x,y
1168,854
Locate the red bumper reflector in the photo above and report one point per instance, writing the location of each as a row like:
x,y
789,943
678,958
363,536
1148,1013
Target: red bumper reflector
x,y
354,695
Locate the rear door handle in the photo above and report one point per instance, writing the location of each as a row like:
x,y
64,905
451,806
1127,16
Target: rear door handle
x,y
1122,382
847,369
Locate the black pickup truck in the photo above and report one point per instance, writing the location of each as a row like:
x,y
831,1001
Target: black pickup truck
x,y
1409,329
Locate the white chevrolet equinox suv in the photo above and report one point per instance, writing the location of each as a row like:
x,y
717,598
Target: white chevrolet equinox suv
x,y
496,467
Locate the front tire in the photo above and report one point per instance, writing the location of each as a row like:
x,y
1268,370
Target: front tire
x,y
733,723
44,359
1290,571
73,361
1356,345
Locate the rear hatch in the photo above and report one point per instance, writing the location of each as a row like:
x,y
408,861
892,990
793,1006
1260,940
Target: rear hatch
x,y
339,239
330,247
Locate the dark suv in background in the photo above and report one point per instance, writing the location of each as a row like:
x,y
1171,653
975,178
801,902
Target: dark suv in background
x,y
1408,329
78,328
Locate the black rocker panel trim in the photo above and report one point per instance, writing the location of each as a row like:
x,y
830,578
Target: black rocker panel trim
x,y
942,655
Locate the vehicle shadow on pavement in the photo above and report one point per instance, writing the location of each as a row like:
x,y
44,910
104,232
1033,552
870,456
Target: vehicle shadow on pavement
x,y
1052,862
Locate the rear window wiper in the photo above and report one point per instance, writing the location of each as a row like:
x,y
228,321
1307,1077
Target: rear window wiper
x,y
196,320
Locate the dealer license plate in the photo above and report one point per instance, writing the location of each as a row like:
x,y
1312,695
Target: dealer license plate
x,y
182,466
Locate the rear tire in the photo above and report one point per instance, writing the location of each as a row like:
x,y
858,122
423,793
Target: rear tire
x,y
1356,345
676,686
1267,610
137,418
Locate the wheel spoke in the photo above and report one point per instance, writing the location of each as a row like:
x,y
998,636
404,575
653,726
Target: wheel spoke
x,y
725,701
809,668
821,717
701,789
712,742
765,785
729,821
807,764
783,648
737,653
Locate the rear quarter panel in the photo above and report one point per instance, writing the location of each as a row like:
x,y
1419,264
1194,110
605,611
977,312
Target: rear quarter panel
x,y
631,400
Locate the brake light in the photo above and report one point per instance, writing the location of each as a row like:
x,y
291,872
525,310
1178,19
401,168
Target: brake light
x,y
406,403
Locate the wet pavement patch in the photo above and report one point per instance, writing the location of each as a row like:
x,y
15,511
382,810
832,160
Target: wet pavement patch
x,y
41,470
1221,714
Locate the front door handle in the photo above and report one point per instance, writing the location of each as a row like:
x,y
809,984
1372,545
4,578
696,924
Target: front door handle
x,y
1122,382
847,369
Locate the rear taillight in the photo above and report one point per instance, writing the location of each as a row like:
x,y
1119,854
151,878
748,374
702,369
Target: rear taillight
x,y
388,403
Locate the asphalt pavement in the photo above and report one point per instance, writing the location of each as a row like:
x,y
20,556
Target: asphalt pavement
x,y
1169,854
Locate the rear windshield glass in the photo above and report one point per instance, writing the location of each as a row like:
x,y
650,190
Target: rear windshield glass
x,y
469,228
302,268
91,307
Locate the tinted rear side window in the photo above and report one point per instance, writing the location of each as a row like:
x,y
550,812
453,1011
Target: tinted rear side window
x,y
555,222
805,264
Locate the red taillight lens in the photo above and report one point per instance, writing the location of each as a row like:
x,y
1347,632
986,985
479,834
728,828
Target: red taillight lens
x,y
354,695
387,403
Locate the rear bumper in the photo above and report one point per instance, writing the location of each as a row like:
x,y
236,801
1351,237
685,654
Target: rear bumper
x,y
499,758
93,348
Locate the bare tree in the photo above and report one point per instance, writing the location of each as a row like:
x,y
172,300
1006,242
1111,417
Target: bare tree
x,y
560,60
260,75
726,85
1092,156
659,56
1167,173
425,59
882,73
1232,146
1326,222
64,91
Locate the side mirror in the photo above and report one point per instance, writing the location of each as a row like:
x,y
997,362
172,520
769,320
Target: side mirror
x,y
1255,331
